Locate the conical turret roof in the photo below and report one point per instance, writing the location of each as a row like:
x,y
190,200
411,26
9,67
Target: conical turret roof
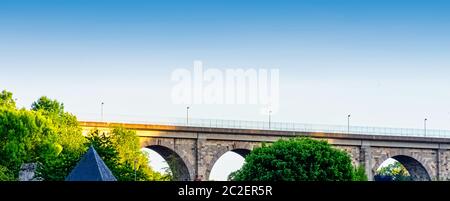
x,y
91,168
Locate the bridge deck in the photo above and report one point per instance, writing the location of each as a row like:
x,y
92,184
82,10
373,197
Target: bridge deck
x,y
261,132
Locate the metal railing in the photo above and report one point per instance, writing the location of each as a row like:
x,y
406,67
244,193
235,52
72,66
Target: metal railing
x,y
298,127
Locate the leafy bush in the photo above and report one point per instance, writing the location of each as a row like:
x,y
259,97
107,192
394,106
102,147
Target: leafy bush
x,y
298,159
394,172
359,174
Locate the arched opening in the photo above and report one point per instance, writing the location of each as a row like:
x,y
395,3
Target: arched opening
x,y
227,163
165,160
401,168
157,162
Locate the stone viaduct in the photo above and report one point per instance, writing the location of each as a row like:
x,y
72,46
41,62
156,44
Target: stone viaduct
x,y
194,150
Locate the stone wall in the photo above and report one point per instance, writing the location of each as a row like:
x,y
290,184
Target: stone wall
x,y
354,153
28,172
444,164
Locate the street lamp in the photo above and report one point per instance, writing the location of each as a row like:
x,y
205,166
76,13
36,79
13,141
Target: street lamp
x,y
102,110
270,113
187,115
348,124
135,161
425,127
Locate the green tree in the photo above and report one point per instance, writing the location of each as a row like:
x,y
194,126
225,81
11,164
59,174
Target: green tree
x,y
232,176
71,143
121,152
48,105
359,174
6,174
298,159
395,170
173,171
6,99
70,136
52,138
45,135
25,136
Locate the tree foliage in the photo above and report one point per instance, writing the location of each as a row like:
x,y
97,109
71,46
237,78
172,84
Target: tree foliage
x,y
6,174
71,142
45,135
6,99
396,171
359,174
52,138
121,152
298,159
48,105
25,136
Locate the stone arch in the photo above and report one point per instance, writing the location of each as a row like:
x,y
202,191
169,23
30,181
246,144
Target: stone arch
x,y
179,166
243,149
415,165
179,169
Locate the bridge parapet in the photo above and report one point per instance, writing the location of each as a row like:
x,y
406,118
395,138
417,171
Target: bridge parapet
x,y
295,127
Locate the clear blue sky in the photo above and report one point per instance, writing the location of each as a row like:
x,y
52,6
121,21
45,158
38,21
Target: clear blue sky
x,y
385,62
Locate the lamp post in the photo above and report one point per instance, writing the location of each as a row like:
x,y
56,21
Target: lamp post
x,y
135,161
348,124
270,114
425,126
187,116
102,110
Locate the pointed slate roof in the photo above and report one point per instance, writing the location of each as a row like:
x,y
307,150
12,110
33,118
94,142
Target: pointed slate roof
x,y
91,168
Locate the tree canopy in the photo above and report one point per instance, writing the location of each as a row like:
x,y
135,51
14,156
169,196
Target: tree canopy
x,y
25,136
6,99
70,140
52,138
48,105
298,159
395,172
121,152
